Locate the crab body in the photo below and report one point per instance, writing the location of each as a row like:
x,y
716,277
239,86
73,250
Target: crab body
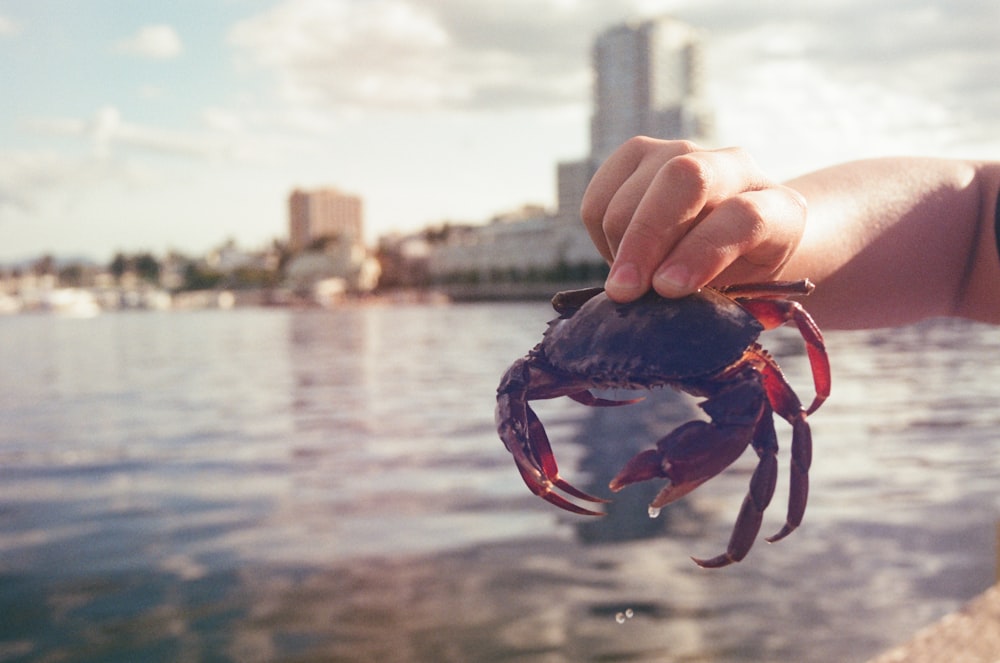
x,y
649,342
704,344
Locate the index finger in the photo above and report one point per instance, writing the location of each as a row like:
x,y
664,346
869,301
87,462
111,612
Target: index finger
x,y
684,190
615,190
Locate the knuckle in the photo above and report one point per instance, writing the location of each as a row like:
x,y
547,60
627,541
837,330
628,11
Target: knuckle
x,y
639,144
690,174
750,220
710,246
745,208
740,155
591,210
798,202
646,231
616,219
645,145
684,146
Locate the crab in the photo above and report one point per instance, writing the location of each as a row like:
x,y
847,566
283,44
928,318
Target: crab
x,y
704,344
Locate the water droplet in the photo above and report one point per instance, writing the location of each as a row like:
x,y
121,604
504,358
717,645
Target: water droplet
x,y
654,511
622,617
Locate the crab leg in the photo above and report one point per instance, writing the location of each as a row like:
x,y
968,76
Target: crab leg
x,y
762,485
798,493
765,289
775,313
787,405
524,436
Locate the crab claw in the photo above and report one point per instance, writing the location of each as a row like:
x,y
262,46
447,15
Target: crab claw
x,y
524,436
689,456
642,467
696,451
542,487
537,466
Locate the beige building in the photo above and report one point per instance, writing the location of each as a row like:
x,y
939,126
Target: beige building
x,y
323,214
326,236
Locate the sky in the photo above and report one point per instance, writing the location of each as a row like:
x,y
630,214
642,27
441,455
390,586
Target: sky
x,y
140,126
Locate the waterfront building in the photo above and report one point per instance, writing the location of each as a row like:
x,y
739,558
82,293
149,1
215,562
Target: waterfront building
x,y
541,248
326,236
323,214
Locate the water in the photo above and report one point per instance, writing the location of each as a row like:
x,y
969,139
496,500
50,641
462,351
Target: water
x,y
261,485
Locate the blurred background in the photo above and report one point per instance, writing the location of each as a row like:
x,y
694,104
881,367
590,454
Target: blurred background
x,y
263,264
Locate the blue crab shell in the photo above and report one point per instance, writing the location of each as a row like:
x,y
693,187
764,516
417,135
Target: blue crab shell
x,y
652,339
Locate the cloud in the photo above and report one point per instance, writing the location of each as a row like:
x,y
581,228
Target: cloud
x,y
8,26
935,48
157,42
71,204
39,187
822,61
385,52
26,178
810,83
426,54
107,130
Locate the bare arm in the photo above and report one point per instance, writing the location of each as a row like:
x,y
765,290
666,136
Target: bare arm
x,y
887,241
896,240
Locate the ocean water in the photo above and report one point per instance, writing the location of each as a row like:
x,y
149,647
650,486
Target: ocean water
x,y
274,485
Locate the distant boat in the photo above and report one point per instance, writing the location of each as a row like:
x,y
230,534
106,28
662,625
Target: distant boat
x,y
71,303
10,304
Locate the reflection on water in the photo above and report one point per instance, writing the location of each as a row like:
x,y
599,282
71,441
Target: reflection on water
x,y
275,485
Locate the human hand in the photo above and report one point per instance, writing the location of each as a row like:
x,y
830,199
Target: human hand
x,y
672,216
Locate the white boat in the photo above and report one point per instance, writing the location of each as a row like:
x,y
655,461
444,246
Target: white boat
x,y
71,303
10,304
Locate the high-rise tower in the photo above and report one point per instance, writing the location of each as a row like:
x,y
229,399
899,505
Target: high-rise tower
x,y
648,81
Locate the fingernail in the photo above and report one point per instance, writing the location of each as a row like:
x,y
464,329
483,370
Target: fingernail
x,y
624,277
673,280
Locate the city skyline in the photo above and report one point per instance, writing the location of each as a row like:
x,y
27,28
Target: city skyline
x,y
178,127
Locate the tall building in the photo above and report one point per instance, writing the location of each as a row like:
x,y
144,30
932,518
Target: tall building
x,y
648,81
572,178
323,214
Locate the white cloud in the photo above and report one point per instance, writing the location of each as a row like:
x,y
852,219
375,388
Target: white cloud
x,y
28,177
158,42
384,52
150,91
43,193
805,84
426,54
107,131
8,26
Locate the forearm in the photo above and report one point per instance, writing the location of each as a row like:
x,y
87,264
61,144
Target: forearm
x,y
891,241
